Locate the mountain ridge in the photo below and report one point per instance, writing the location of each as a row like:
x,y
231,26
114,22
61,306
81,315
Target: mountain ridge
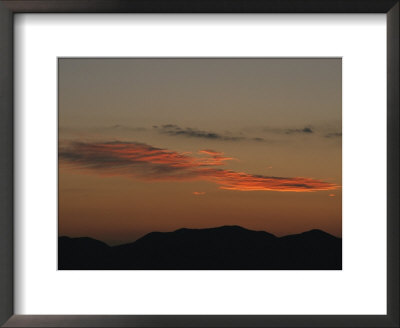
x,y
219,248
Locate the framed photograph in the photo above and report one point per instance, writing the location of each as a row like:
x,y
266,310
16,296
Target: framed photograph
x,y
173,190
199,164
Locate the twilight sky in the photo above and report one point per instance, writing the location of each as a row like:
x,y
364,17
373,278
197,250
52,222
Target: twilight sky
x,y
160,144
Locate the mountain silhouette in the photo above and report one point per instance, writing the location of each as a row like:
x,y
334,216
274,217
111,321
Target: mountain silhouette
x,y
222,248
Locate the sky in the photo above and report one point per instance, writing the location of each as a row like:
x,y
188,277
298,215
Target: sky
x,y
160,144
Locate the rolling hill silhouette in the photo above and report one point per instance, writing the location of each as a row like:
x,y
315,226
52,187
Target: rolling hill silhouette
x,y
222,248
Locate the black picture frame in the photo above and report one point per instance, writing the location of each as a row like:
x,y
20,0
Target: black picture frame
x,y
10,7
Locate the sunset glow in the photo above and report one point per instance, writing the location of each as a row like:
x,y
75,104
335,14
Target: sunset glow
x,y
160,144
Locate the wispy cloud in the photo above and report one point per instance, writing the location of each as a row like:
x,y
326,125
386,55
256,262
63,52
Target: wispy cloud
x,y
231,180
306,130
288,131
136,160
175,130
142,161
322,130
126,128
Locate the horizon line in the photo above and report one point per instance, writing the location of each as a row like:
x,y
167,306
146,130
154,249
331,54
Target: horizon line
x,y
184,228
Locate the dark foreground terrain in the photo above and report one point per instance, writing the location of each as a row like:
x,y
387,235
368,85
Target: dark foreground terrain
x,y
223,248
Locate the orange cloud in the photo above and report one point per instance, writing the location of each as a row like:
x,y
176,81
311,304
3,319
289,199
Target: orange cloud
x,y
216,158
231,180
199,193
145,162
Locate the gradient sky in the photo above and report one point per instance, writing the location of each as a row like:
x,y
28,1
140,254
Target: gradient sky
x,y
160,144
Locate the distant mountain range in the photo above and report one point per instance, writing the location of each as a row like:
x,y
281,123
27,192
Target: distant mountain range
x,y
222,248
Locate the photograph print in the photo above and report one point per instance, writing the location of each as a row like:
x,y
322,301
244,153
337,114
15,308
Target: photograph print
x,y
199,164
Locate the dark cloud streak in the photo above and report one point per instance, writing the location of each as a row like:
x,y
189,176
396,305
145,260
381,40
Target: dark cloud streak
x,y
290,131
175,130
